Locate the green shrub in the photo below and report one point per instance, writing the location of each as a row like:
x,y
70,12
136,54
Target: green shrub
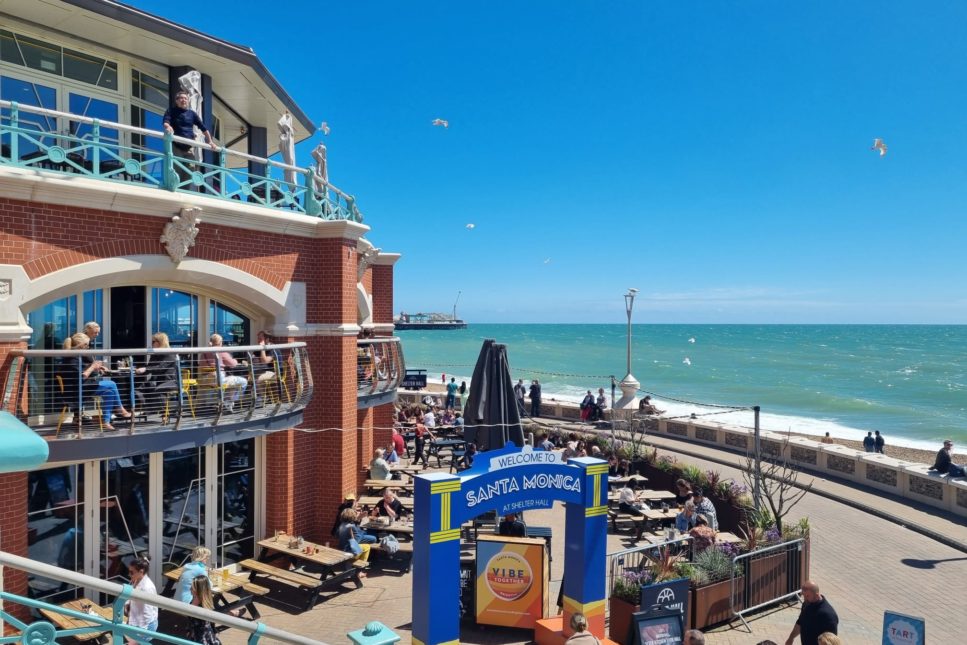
x,y
716,564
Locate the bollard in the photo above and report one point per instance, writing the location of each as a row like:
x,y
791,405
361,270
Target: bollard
x,y
375,633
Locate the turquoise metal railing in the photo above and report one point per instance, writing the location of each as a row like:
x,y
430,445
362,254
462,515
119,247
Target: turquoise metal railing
x,y
44,632
102,153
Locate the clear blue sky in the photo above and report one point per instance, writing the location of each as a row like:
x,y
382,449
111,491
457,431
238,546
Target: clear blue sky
x,y
715,155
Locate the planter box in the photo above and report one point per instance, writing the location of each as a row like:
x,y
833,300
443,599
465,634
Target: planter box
x,y
619,619
711,604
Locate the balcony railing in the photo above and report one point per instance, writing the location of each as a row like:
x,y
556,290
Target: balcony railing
x,y
379,370
176,396
99,151
93,624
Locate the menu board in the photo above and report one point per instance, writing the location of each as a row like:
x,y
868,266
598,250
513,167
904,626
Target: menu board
x,y
663,628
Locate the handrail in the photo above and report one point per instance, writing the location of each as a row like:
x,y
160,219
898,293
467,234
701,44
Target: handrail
x,y
231,349
313,183
125,592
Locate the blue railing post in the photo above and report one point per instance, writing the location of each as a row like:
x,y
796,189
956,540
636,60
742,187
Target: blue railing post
x,y
310,203
170,176
14,134
354,214
96,149
257,634
222,174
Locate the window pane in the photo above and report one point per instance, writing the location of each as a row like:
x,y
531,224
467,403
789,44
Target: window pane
x,y
9,52
40,55
37,95
124,514
231,325
236,525
109,76
94,312
150,89
183,504
55,522
52,324
82,67
96,109
176,314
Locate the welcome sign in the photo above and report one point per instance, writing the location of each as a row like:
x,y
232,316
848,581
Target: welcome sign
x,y
522,480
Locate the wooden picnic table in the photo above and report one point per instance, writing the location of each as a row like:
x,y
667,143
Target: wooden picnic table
x,y
658,515
235,584
372,500
725,537
63,621
646,496
404,527
322,555
326,559
380,484
630,479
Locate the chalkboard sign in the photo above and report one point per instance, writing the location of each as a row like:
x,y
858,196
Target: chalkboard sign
x,y
414,380
658,628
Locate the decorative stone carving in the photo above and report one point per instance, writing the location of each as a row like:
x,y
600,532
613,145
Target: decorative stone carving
x,y
367,253
179,234
803,455
6,288
926,487
706,434
736,440
841,464
679,429
881,475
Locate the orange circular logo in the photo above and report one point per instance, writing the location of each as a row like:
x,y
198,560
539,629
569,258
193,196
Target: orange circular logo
x,y
508,575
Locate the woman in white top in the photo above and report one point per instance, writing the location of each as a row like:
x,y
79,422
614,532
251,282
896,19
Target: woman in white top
x,y
234,385
141,614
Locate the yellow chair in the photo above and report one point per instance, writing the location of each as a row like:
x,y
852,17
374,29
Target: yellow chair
x,y
208,380
186,384
272,388
65,408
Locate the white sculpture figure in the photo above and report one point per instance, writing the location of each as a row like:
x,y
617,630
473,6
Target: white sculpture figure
x,y
287,146
321,171
180,233
191,83
367,253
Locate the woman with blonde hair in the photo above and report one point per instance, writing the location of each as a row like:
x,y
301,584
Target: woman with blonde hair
x,y
197,567
161,374
829,638
86,374
201,630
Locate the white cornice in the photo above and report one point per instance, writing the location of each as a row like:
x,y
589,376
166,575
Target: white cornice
x,y
386,259
34,185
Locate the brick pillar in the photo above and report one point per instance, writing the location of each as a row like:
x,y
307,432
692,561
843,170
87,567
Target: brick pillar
x,y
13,536
382,290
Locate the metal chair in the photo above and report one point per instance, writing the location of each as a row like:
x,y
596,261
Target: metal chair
x,y
65,408
187,382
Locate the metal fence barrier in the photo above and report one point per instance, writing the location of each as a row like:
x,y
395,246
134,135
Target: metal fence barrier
x,y
759,590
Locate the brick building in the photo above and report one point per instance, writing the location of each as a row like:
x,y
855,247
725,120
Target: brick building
x,y
89,186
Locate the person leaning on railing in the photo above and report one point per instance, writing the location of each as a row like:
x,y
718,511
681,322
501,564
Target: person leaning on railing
x,y
181,121
90,380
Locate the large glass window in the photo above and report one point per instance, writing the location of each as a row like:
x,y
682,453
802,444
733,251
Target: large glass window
x,y
55,527
153,147
183,504
94,312
124,514
54,59
231,325
236,489
176,314
149,89
51,325
36,95
96,109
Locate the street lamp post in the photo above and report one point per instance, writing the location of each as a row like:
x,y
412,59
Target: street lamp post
x,y
629,384
629,305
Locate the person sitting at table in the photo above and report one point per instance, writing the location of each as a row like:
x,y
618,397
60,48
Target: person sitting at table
x,y
685,519
511,526
703,506
613,466
197,567
139,613
628,501
88,376
683,491
200,630
399,443
391,457
352,539
161,374
469,455
447,418
401,416
264,359
458,420
389,506
703,535
379,468
216,362
349,501
429,418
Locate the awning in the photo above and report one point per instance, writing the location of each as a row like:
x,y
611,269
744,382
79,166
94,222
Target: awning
x,y
20,447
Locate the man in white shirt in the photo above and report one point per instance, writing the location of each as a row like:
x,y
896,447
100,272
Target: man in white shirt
x,y
628,501
429,419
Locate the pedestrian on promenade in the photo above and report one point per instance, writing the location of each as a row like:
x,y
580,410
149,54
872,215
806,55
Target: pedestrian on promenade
x,y
452,388
519,392
879,443
816,617
693,637
462,391
535,395
600,405
587,403
869,443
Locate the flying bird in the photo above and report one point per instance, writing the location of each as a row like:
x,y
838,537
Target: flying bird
x,y
324,128
879,145
470,227
687,361
444,123
692,340
547,260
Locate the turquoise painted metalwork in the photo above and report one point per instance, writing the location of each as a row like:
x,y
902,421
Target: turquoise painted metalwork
x,y
20,447
374,633
97,156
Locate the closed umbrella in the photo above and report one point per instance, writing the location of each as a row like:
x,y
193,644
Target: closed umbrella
x,y
287,146
321,171
491,417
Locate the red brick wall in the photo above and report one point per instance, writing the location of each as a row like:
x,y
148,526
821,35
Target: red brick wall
x,y
364,445
13,535
382,293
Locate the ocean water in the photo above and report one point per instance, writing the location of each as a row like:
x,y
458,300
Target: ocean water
x,y
907,381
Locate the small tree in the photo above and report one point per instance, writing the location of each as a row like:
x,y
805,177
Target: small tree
x,y
779,486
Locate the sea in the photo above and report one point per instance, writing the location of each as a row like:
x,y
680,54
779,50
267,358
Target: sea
x,y
907,381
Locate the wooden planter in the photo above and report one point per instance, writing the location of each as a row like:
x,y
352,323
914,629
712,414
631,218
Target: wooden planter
x,y
619,619
711,604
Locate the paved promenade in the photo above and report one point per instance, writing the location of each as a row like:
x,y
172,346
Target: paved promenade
x,y
863,563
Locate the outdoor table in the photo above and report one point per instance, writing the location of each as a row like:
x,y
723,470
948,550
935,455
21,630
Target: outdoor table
x,y
372,500
412,469
379,484
327,558
630,479
655,495
68,622
235,584
399,527
658,515
435,446
724,537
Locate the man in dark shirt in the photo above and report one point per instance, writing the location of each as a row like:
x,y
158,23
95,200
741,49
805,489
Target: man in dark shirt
x,y
180,120
942,463
511,526
389,506
817,617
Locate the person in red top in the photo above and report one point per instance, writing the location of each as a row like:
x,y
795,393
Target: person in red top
x,y
422,433
398,443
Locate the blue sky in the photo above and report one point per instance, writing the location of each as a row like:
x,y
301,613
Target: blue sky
x,y
715,155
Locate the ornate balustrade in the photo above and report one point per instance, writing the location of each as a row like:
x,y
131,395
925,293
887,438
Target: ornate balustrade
x,y
102,152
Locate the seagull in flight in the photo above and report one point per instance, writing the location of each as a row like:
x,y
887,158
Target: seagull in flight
x,y
324,128
879,145
470,227
692,340
441,122
687,361
547,260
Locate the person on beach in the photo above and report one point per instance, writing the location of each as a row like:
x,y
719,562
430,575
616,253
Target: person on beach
x,y
535,395
879,443
827,439
869,443
600,405
942,463
519,392
586,404
647,407
452,388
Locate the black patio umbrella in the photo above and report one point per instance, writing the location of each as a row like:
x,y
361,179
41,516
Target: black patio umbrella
x,y
491,417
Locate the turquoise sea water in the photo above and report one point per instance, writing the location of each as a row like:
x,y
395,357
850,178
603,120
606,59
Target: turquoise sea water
x,y
907,381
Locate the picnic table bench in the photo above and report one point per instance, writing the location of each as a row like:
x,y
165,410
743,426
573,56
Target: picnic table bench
x,y
377,485
326,559
236,584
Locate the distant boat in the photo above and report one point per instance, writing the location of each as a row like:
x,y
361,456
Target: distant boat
x,y
428,321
